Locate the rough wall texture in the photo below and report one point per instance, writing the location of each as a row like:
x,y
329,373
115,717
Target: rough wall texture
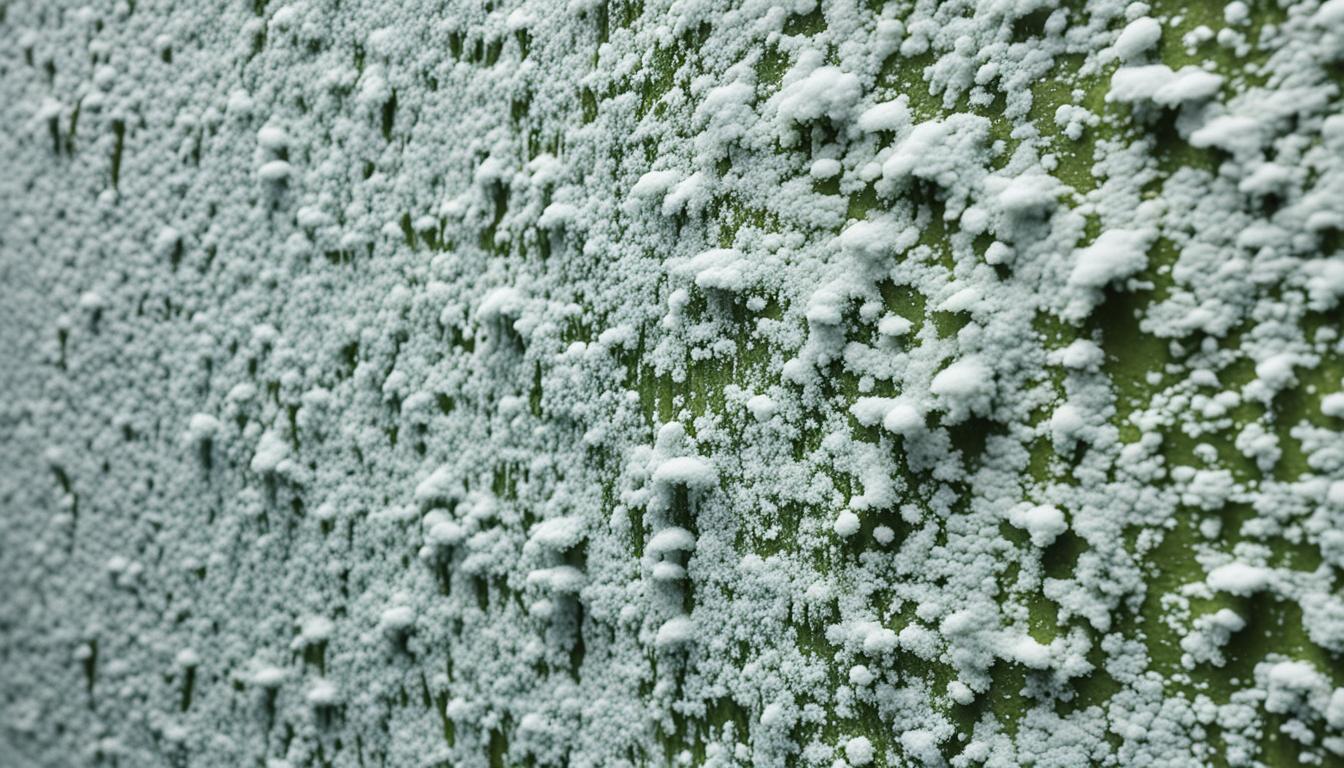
x,y
618,383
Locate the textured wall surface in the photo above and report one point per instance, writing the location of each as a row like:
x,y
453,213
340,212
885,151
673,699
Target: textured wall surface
x,y
604,382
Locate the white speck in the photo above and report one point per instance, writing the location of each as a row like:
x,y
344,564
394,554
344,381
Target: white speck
x,y
271,450
859,751
558,533
904,419
826,92
1238,578
691,471
846,524
678,630
275,171
894,326
1116,254
653,183
860,675
671,539
965,387
1044,522
201,427
1162,86
887,116
323,693
762,407
397,620
1029,653
1137,38
272,138
1330,14
269,677
960,693
825,168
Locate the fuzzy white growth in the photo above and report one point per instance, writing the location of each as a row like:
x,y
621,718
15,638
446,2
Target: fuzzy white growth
x,y
1333,405
1067,425
670,539
860,675
718,268
1080,355
689,195
272,449
921,744
1115,255
1238,134
323,693
665,571
904,419
397,620
446,533
824,168
874,240
1137,38
1296,686
269,677
879,641
869,411
676,631
1276,371
535,371
275,171
440,485
859,751
1157,83
272,138
1030,194
313,630
560,578
846,524
202,427
964,388
826,91
558,533
692,472
1330,15
894,326
505,301
1239,578
888,116
1044,522
558,216
762,407
653,184
1026,651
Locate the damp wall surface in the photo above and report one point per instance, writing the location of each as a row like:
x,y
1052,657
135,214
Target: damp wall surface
x,y
697,383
